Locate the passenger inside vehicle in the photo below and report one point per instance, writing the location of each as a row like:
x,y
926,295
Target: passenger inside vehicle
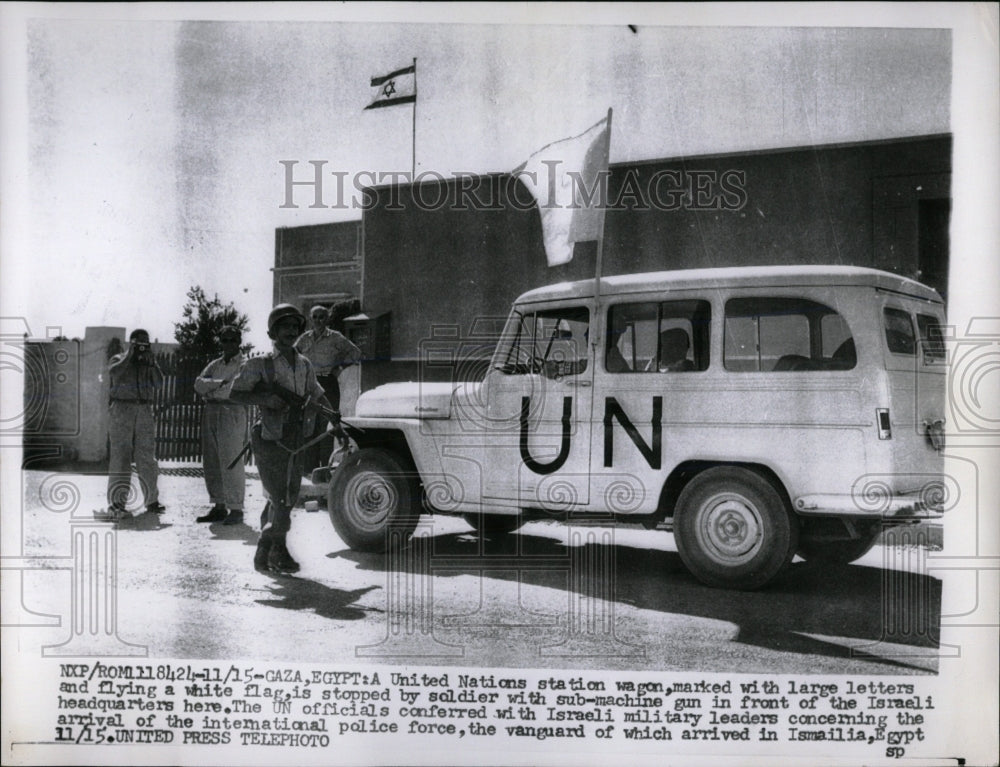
x,y
674,345
616,362
845,358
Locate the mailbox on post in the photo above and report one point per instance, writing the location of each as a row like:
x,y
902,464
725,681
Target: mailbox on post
x,y
371,334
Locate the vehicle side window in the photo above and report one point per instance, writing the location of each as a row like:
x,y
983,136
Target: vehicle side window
x,y
780,334
658,337
931,339
835,334
899,334
552,342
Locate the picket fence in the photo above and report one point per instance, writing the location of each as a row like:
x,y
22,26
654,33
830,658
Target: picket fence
x,y
179,409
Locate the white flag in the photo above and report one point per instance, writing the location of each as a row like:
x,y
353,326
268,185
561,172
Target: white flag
x,y
568,180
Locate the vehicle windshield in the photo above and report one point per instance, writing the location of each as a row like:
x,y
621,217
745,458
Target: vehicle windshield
x,y
509,340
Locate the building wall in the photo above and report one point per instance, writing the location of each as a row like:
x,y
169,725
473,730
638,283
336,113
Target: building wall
x,y
855,204
446,259
445,272
317,264
66,394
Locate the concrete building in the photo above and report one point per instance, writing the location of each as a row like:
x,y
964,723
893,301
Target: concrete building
x,y
440,262
318,264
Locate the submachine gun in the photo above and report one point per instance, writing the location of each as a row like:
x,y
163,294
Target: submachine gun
x,y
298,403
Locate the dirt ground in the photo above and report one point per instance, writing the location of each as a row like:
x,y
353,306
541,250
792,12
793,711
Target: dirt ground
x,y
189,590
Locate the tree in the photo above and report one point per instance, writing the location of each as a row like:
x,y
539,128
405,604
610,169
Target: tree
x,y
197,334
340,311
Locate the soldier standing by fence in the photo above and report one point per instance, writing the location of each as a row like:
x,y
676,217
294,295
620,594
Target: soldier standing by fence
x,y
135,378
282,384
223,431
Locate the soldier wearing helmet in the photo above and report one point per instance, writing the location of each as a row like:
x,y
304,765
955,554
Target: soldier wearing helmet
x,y
278,435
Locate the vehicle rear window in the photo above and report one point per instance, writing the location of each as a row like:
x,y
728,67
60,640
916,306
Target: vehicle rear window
x,y
931,339
899,334
783,334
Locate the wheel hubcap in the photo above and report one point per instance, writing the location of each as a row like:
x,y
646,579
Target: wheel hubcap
x,y
371,499
730,529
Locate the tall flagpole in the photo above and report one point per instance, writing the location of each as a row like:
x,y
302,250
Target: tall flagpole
x,y
604,201
413,150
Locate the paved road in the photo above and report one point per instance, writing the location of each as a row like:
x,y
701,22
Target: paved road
x,y
550,597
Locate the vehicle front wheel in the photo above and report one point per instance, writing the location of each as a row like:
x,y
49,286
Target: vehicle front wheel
x,y
372,494
494,524
733,528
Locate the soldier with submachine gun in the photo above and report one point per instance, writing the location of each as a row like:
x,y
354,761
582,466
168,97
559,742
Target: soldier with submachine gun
x,y
283,386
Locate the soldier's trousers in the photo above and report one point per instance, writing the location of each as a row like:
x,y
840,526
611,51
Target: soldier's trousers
x,y
132,437
280,474
223,431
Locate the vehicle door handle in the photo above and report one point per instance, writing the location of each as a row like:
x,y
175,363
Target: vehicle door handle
x,y
576,382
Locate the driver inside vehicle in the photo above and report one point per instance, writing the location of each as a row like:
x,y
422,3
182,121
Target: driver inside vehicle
x,y
565,353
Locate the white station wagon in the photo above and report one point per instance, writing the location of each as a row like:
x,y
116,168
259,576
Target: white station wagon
x,y
761,412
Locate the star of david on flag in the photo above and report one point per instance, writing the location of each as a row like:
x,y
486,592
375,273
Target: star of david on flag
x,y
399,87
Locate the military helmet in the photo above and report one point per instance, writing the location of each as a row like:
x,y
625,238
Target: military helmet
x,y
281,311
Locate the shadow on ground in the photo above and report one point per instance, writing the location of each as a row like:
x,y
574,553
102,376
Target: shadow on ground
x,y
291,593
843,611
145,522
241,532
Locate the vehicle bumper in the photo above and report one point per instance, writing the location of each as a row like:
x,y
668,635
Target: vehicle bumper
x,y
899,507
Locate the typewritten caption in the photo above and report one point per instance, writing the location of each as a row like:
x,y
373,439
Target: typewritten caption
x,y
107,703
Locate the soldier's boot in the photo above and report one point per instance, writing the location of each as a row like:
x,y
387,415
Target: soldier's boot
x,y
279,560
114,513
216,514
262,555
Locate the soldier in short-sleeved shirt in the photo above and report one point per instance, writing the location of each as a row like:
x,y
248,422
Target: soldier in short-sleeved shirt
x,y
223,431
278,434
134,379
329,352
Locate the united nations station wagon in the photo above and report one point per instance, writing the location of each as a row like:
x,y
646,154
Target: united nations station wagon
x,y
761,412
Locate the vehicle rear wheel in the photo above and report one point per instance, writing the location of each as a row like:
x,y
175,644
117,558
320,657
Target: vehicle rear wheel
x,y
837,551
372,494
733,528
494,524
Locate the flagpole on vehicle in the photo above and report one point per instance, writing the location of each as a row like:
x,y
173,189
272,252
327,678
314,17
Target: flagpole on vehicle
x,y
598,266
413,149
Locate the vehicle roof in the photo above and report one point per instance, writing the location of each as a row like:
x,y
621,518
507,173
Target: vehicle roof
x,y
729,277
